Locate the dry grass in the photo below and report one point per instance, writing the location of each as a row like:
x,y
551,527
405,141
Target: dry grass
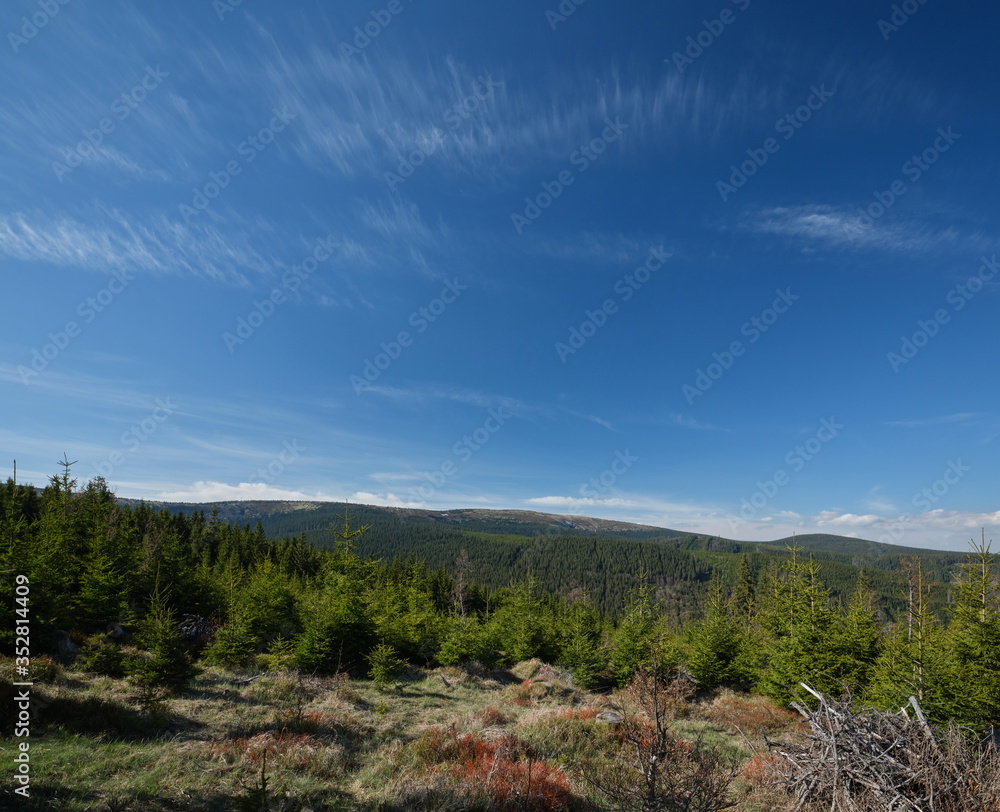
x,y
447,739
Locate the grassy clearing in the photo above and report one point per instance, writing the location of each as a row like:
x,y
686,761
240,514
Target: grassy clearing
x,y
446,739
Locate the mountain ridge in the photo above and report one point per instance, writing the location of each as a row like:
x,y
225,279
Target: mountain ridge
x,y
476,519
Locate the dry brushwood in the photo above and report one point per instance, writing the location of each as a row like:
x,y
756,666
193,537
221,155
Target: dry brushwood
x,y
653,770
890,762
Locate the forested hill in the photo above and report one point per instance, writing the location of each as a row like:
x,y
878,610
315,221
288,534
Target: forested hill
x,y
579,555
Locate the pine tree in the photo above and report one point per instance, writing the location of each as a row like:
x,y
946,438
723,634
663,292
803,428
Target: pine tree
x,y
973,640
745,592
796,621
14,546
912,661
640,633
856,640
521,625
168,664
717,644
582,652
465,639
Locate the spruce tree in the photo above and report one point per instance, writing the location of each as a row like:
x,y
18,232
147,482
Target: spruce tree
x,y
796,622
640,637
912,661
717,644
168,663
856,640
973,640
582,652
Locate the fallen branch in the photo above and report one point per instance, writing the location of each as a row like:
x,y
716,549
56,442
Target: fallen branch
x,y
862,761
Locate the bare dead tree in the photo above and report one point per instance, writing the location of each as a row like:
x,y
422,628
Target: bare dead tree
x,y
651,769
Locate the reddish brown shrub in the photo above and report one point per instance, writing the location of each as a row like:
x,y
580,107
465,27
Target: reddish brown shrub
x,y
751,714
491,716
505,772
578,714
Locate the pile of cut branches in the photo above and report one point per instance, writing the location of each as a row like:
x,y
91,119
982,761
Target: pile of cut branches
x,y
863,761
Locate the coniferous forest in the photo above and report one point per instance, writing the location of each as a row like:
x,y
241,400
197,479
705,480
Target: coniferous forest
x,y
153,597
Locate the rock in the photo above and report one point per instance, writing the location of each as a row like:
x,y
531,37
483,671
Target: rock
x,y
611,717
66,646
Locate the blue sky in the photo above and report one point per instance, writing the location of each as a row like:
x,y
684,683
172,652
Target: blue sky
x,y
726,267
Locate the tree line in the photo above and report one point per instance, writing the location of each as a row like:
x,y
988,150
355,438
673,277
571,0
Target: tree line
x,y
195,589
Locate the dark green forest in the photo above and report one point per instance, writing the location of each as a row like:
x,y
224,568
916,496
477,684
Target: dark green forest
x,y
368,593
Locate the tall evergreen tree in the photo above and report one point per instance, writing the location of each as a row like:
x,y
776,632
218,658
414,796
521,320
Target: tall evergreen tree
x,y
856,640
796,620
912,661
974,640
718,643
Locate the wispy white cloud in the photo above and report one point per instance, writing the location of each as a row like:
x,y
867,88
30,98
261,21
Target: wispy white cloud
x,y
940,420
874,501
457,394
826,518
383,499
114,241
935,529
208,491
840,228
692,423
368,116
579,502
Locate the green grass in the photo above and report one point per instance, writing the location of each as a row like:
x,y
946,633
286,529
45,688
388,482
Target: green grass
x,y
325,743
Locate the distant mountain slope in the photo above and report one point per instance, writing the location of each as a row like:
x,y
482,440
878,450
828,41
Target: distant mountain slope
x,y
843,545
576,554
292,518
